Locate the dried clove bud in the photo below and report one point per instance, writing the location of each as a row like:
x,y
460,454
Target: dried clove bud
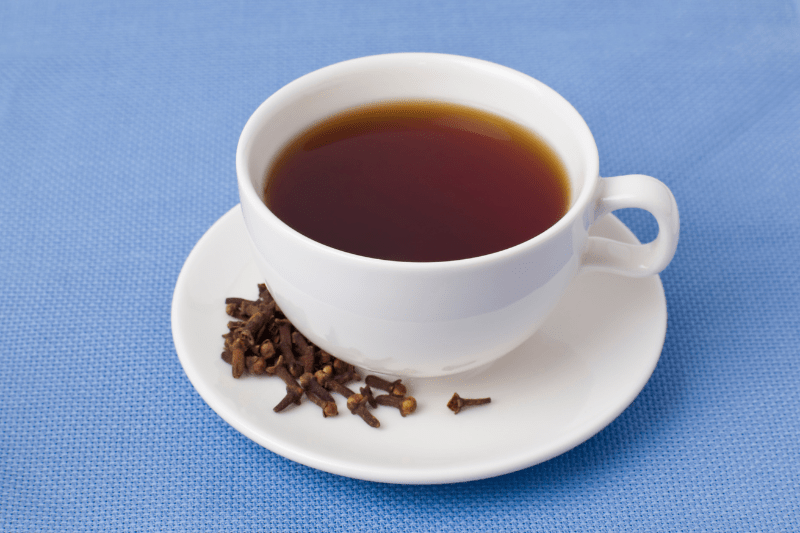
x,y
311,384
238,348
357,404
235,308
327,381
325,357
238,301
341,367
406,405
229,338
306,359
293,389
367,393
392,387
347,376
256,364
328,407
250,330
264,294
457,403
266,349
285,345
292,397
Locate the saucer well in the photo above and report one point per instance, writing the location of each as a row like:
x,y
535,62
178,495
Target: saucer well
x,y
576,374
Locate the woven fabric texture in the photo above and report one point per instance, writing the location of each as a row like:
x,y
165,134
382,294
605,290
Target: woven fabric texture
x,y
118,129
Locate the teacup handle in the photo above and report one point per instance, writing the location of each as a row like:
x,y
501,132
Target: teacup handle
x,y
635,260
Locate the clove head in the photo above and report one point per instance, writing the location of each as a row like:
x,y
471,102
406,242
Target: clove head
x,y
457,403
406,405
395,387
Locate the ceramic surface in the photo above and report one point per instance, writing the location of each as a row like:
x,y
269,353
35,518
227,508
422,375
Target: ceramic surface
x,y
579,371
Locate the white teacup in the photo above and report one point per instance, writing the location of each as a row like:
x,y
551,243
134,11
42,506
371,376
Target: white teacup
x,y
434,319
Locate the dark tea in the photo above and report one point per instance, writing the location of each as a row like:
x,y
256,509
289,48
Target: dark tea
x,y
418,181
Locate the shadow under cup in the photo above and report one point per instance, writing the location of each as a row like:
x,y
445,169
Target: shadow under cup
x,y
416,319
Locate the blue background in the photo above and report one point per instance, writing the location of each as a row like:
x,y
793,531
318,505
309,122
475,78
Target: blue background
x,y
118,128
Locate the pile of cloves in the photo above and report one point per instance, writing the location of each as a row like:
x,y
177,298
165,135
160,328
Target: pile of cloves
x,y
262,341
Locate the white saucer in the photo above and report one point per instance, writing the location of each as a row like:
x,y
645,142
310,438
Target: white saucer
x,y
572,378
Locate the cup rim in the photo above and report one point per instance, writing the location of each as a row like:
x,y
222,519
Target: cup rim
x,y
248,191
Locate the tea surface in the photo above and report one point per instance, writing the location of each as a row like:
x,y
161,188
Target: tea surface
x,y
418,181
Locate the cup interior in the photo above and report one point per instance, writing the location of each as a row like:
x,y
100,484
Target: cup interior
x,y
434,77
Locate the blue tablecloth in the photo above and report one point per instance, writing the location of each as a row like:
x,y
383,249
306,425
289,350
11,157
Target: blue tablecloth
x,y
118,128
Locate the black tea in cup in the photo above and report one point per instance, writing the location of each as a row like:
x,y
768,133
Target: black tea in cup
x,y
418,181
